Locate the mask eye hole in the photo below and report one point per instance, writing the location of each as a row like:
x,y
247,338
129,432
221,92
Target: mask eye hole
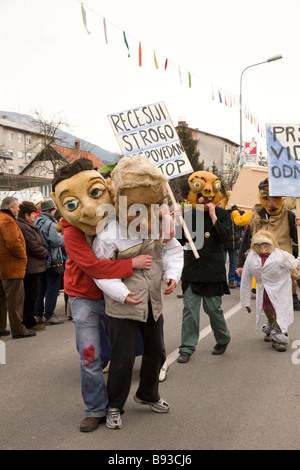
x,y
71,205
96,193
217,186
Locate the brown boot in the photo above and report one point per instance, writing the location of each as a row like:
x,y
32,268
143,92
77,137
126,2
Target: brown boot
x,y
91,423
37,328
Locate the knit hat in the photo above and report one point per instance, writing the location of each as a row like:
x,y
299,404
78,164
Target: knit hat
x,y
264,185
47,205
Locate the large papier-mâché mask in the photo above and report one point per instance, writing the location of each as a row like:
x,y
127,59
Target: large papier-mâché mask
x,y
272,204
79,198
263,242
205,187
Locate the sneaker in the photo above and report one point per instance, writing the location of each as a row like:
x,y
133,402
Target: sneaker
x,y
163,372
231,285
160,406
39,320
53,320
105,366
281,347
113,418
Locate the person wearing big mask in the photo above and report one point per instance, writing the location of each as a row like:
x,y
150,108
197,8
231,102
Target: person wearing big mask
x,y
271,214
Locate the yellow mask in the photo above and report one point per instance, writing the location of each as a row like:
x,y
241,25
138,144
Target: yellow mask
x,y
272,204
205,187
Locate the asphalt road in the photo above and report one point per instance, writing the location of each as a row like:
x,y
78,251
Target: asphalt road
x,y
247,399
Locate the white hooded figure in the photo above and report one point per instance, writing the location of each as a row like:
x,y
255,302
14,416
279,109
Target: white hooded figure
x,y
271,268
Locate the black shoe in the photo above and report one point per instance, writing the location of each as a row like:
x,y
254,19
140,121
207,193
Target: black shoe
x,y
25,334
183,358
220,348
4,333
296,303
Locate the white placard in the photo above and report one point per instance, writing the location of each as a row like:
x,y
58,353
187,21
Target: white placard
x,y
148,131
283,142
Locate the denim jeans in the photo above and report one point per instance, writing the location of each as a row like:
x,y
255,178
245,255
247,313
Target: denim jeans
x,y
48,288
87,315
233,257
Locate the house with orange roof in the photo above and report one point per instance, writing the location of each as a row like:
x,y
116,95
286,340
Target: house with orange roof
x,y
53,156
72,154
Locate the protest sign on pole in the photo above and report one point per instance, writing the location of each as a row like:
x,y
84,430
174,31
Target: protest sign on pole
x,y
283,143
148,131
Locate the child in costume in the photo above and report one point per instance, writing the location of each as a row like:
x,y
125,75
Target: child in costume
x,y
271,268
135,303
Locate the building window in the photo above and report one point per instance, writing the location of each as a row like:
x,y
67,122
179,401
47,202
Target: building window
x,y
20,154
28,139
20,168
20,138
45,191
10,168
29,155
10,136
10,152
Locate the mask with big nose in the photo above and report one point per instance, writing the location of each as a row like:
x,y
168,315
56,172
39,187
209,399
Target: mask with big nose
x,y
205,187
272,204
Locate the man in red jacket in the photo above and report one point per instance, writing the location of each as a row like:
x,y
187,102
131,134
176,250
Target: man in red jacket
x,y
79,191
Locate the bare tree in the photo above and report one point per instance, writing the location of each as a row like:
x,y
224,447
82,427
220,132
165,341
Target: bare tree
x,y
48,158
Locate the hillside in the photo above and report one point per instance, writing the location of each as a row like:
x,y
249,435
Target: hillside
x,y
65,138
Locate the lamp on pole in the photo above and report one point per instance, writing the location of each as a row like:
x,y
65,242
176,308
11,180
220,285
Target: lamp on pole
x,y
271,59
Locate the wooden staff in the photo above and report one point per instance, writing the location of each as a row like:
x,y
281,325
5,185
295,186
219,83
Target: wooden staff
x,y
186,231
298,227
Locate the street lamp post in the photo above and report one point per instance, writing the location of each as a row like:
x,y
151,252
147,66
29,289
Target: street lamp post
x,y
271,59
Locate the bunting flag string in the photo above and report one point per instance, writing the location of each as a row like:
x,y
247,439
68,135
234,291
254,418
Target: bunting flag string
x,y
155,61
179,73
83,13
140,54
105,33
226,98
126,43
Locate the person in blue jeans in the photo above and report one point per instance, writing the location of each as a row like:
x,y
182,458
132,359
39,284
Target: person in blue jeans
x,y
48,282
79,191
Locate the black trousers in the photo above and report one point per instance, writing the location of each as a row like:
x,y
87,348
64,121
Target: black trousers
x,y
123,334
30,288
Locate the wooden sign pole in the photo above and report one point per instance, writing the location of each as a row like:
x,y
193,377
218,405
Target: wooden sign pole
x,y
298,227
186,231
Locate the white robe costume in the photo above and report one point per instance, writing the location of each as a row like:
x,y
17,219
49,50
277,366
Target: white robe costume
x,y
274,276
